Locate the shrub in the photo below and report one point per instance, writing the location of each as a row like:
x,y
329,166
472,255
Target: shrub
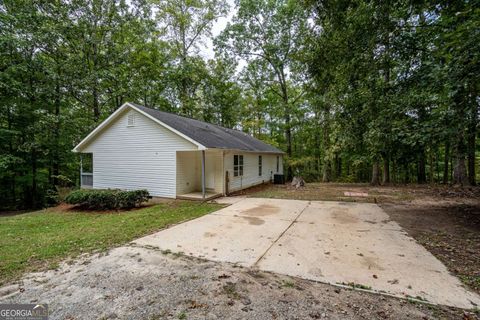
x,y
107,199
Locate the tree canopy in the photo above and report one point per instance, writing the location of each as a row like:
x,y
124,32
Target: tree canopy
x,y
354,91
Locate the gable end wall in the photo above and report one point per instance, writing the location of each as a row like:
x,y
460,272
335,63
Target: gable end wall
x,y
142,156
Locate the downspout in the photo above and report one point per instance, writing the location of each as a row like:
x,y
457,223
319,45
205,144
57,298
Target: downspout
x,y
224,179
203,174
81,170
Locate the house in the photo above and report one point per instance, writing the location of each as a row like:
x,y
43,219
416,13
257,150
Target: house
x,y
173,156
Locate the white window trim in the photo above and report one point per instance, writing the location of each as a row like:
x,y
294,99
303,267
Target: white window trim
x,y
238,168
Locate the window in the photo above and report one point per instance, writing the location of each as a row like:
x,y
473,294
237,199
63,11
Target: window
x,y
131,120
259,166
237,165
278,164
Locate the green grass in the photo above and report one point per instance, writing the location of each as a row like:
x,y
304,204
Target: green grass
x,y
39,240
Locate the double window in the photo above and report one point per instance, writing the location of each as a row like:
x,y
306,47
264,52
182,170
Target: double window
x,y
259,166
237,165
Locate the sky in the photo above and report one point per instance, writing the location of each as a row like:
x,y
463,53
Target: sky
x,y
218,26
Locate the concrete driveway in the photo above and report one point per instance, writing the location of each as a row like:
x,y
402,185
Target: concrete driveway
x,y
334,242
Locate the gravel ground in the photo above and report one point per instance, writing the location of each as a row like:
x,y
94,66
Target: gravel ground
x,y
144,283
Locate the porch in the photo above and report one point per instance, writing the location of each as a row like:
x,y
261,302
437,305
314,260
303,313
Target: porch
x,y
199,175
209,195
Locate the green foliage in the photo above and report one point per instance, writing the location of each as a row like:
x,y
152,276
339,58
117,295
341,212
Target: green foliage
x,y
343,87
107,199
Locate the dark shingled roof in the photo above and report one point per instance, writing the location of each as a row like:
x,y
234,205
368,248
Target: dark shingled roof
x,y
210,135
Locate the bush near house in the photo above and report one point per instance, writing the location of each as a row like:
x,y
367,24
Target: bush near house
x,y
107,199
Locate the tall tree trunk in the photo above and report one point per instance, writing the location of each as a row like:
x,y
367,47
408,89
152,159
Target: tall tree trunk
x,y
288,132
421,175
472,133
95,94
375,173
288,135
432,169
447,157
394,176
184,97
326,175
10,149
326,170
317,143
406,170
460,117
338,167
386,170
34,179
459,169
56,135
96,105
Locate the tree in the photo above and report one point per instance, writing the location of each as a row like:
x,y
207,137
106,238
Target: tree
x,y
270,31
186,24
221,93
458,50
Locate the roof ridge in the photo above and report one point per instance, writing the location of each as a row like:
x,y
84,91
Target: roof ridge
x,y
209,134
190,118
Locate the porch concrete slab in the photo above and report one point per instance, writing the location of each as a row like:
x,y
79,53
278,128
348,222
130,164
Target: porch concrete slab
x,y
240,233
198,195
336,245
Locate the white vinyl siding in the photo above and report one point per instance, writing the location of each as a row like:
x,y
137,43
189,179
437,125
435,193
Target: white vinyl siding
x,y
251,175
142,156
189,171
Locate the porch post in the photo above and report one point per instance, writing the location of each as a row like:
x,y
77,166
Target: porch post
x,y
203,174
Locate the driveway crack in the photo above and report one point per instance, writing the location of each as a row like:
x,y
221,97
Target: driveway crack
x,y
281,234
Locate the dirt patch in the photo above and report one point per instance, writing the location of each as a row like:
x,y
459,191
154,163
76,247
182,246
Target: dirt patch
x,y
262,210
150,285
376,194
450,232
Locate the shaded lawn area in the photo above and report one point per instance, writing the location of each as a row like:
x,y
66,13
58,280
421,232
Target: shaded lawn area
x,y
332,192
375,194
38,240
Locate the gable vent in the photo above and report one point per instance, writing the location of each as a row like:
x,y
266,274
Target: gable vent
x,y
131,120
